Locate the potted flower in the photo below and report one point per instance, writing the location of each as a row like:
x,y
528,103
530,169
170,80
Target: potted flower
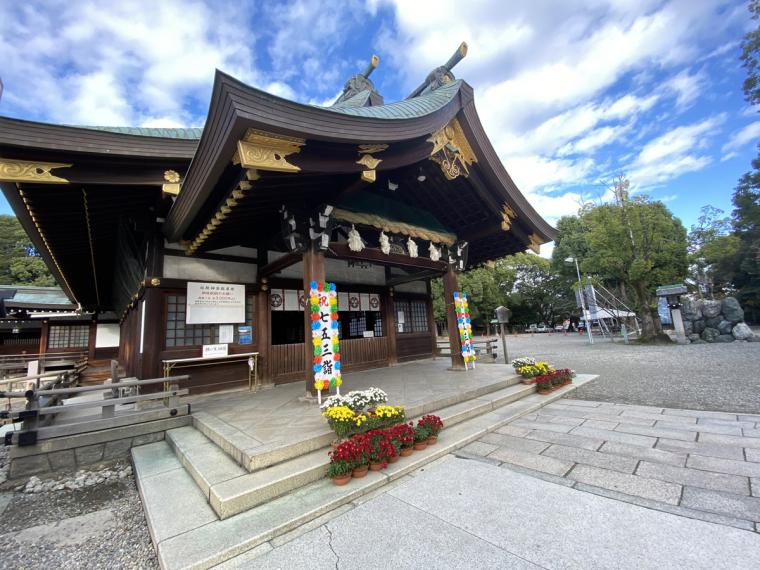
x,y
340,471
355,451
402,437
544,384
380,449
421,434
434,425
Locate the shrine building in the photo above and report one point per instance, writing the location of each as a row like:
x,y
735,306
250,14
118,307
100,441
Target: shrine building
x,y
193,238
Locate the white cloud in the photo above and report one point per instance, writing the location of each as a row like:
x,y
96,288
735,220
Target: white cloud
x,y
741,138
686,87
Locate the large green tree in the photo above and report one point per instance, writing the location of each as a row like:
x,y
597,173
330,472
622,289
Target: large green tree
x,y
713,253
20,264
633,245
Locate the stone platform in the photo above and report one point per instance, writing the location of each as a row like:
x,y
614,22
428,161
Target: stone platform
x,y
252,466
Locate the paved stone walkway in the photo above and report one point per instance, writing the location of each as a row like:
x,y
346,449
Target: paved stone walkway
x,y
697,464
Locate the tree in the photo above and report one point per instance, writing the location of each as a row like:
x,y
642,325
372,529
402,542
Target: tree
x,y
713,253
543,291
751,57
20,264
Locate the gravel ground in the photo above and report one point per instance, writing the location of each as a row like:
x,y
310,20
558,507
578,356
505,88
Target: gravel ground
x,y
720,377
96,527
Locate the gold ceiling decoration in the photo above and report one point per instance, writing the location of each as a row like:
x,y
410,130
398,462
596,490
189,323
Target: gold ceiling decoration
x,y
369,161
507,215
451,150
267,151
535,243
25,171
172,182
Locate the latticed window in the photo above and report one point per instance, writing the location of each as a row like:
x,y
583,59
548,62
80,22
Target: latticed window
x,y
178,333
411,316
353,324
68,336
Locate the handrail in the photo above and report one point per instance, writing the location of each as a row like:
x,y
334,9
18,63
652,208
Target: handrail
x,y
97,388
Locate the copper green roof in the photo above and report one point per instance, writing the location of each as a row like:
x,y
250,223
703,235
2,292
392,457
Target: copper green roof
x,y
160,132
406,109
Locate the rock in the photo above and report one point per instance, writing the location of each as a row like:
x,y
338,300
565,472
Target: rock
x,y
690,310
698,326
731,310
741,331
754,338
698,341
693,337
711,308
710,334
713,322
725,327
688,327
725,338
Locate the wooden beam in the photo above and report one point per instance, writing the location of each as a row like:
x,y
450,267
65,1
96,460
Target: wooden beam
x,y
313,270
279,264
341,251
400,279
213,256
449,286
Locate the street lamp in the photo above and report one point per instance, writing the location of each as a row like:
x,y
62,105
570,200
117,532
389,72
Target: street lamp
x,y
582,294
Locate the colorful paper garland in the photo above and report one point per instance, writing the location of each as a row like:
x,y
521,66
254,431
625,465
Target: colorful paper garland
x,y
323,301
464,324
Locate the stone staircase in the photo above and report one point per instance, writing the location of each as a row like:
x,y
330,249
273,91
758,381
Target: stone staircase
x,y
207,499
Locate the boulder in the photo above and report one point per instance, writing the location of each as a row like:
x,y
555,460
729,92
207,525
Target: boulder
x,y
693,337
698,326
713,322
690,310
725,338
731,310
710,334
725,327
741,331
754,338
688,327
711,308
698,341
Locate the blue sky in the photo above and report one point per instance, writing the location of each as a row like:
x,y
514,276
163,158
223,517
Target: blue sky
x,y
571,93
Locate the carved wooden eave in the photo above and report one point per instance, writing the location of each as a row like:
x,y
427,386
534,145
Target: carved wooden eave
x,y
267,151
25,171
452,151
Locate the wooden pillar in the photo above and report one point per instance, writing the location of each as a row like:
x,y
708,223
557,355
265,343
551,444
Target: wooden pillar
x,y
44,333
153,332
449,286
313,270
262,332
431,318
91,340
389,322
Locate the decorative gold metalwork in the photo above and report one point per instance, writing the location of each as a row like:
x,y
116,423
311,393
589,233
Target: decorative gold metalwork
x,y
172,186
369,176
535,243
507,215
25,171
371,148
451,150
155,282
369,161
267,151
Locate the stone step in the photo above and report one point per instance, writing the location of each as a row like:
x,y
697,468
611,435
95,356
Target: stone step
x,y
188,534
452,415
253,456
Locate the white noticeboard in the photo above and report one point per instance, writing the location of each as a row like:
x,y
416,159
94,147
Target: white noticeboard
x,y
226,334
214,350
211,303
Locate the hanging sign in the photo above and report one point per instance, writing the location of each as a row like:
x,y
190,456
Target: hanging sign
x,y
212,303
465,328
226,334
323,301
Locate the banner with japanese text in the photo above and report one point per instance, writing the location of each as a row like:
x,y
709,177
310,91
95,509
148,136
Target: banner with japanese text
x,y
465,327
323,300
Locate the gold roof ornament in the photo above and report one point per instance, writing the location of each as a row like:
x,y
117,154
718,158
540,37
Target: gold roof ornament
x,y
507,215
535,243
451,150
172,185
25,171
369,161
267,151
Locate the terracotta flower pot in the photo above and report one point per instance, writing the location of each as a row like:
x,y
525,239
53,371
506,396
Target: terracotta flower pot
x,y
393,459
375,466
543,392
432,440
342,480
527,381
420,445
406,451
360,471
